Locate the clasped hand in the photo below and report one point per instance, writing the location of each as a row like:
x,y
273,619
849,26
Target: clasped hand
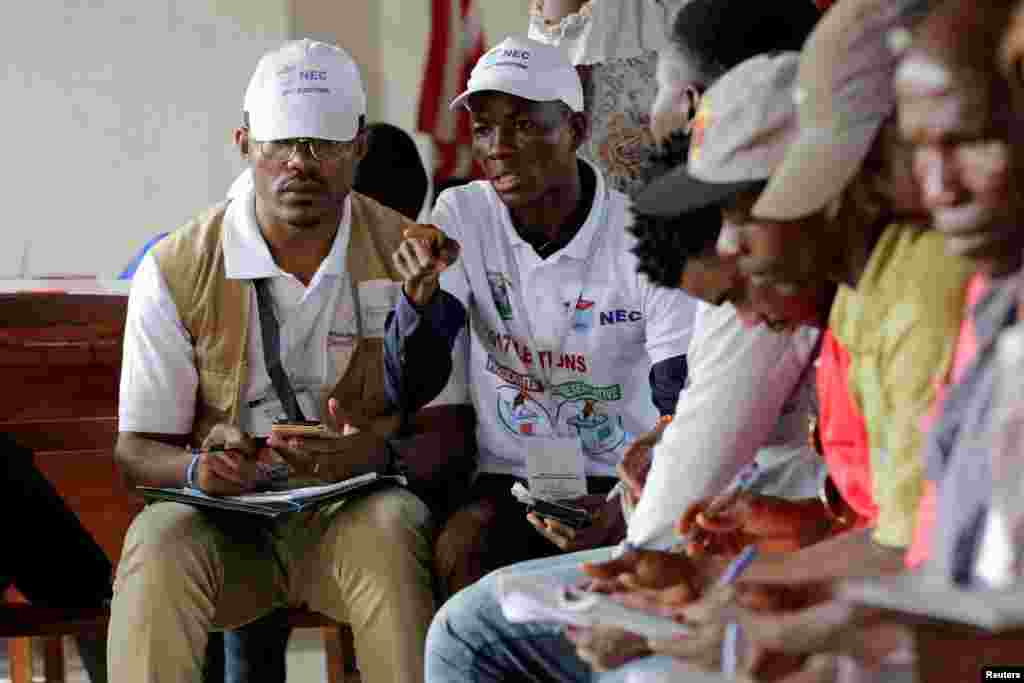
x,y
230,462
424,253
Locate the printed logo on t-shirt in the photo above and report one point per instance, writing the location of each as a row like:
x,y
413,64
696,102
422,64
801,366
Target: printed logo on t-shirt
x,y
620,316
517,379
598,432
574,408
500,288
583,321
585,409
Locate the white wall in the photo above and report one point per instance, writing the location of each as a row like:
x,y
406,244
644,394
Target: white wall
x,y
117,114
117,118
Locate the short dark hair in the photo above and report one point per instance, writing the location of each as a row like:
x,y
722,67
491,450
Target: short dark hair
x,y
716,35
665,244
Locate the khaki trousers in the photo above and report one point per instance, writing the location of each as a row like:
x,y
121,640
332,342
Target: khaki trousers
x,y
183,573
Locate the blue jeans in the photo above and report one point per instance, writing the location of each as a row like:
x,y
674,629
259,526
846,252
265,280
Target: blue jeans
x,y
470,639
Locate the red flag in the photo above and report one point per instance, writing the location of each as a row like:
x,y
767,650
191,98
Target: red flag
x,y
456,43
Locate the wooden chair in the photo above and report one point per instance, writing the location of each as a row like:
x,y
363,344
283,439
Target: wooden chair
x,y
20,623
63,353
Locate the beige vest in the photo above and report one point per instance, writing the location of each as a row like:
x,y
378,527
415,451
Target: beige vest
x,y
215,310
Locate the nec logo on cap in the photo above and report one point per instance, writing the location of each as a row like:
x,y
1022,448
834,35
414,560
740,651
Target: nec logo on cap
x,y
505,56
288,73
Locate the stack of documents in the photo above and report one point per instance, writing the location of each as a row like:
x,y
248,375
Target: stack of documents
x,y
276,503
533,597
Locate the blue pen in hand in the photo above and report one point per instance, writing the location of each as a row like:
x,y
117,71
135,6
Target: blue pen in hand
x,y
743,481
731,644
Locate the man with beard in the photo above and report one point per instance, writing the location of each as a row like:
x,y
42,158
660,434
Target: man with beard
x,y
267,305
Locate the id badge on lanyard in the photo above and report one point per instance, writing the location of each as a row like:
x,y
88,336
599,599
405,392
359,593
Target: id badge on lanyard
x,y
556,464
556,467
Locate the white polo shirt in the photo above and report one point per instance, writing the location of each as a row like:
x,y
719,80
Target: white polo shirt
x,y
531,372
159,379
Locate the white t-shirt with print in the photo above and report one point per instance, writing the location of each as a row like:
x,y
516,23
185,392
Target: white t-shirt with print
x,y
531,373
317,323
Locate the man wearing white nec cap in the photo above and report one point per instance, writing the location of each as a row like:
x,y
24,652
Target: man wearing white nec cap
x,y
564,334
298,260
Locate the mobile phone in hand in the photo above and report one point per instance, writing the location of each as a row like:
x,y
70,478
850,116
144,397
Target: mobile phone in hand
x,y
308,429
569,515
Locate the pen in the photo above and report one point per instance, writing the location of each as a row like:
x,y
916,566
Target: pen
x,y
732,642
746,478
738,566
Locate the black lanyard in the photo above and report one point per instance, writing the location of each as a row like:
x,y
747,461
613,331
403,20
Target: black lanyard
x,y
272,351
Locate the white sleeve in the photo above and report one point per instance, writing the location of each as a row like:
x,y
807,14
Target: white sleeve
x,y
740,379
669,317
446,216
158,372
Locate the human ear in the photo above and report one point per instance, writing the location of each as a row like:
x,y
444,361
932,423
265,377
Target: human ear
x,y
241,136
674,108
362,143
579,125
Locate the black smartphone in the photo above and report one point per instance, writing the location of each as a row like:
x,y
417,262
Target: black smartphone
x,y
569,515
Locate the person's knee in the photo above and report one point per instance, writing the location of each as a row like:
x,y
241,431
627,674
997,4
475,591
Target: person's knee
x,y
386,527
164,524
164,538
399,510
461,615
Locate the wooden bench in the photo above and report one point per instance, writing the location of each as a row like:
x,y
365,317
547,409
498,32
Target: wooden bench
x,y
60,361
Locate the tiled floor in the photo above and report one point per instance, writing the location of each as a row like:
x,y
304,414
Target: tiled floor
x,y
306,662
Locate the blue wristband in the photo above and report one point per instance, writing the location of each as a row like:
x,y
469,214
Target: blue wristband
x,y
190,473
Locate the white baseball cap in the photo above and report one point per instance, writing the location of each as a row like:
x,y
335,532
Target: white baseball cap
x,y
528,69
305,89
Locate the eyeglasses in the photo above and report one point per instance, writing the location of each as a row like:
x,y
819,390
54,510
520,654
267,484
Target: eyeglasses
x,y
321,150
